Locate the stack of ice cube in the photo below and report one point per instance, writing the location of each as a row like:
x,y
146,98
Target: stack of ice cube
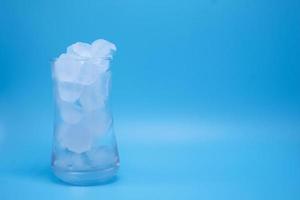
x,y
82,78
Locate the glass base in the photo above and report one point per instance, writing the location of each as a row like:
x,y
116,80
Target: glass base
x,y
86,177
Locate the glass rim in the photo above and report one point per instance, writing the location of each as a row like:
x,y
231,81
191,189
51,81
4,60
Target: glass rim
x,y
109,58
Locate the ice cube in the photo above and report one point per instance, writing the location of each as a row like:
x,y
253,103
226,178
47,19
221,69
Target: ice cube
x,y
63,160
101,63
89,73
69,160
94,96
102,157
69,91
66,68
78,162
80,50
97,122
69,112
75,138
103,49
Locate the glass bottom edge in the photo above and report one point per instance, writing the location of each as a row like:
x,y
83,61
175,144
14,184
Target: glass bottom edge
x,y
86,178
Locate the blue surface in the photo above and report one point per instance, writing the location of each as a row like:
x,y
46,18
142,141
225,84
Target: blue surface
x,y
205,93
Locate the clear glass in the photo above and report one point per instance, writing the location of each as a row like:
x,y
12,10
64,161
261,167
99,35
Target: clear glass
x,y
84,144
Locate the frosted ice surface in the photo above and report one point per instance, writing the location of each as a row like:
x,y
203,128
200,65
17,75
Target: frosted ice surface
x,y
69,112
83,62
97,122
75,138
101,157
69,91
95,95
80,50
89,73
66,68
102,48
102,64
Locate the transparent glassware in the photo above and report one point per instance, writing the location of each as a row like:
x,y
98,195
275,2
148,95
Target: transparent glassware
x,y
84,148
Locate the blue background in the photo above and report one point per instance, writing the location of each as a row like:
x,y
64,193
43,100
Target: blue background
x,y
206,96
